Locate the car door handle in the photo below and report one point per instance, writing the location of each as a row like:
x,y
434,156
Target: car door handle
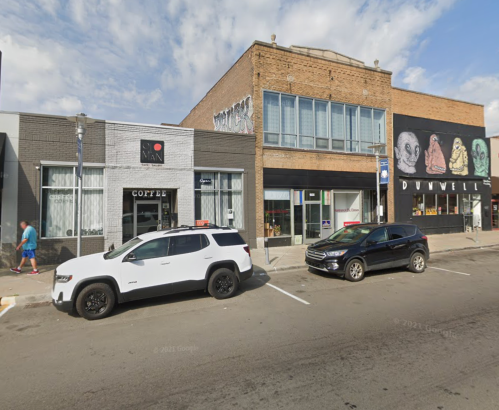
x,y
208,257
165,263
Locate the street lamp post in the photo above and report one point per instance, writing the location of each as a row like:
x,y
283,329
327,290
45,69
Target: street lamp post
x,y
81,121
377,150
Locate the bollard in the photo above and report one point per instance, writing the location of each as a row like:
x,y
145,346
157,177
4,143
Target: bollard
x,y
267,257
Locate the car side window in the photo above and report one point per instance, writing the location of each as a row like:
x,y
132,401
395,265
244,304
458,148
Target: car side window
x,y
188,244
397,232
157,248
378,236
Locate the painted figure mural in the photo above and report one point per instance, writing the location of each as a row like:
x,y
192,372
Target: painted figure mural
x,y
458,163
480,154
407,152
434,157
237,118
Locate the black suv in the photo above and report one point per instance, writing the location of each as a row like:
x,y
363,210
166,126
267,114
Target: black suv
x,y
356,249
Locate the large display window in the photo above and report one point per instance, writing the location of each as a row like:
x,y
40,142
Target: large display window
x,y
60,202
277,207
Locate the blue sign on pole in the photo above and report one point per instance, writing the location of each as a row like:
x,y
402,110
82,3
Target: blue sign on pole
x,y
385,173
79,170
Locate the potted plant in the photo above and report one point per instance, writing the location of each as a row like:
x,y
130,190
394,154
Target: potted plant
x,y
267,223
277,230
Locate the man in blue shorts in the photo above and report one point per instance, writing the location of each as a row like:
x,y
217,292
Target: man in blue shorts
x,y
28,243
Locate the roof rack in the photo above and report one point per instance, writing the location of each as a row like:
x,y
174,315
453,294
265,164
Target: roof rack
x,y
183,228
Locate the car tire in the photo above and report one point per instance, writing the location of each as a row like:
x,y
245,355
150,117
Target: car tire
x,y
354,271
95,301
417,263
223,284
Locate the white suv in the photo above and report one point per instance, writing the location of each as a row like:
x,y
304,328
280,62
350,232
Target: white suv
x,y
154,264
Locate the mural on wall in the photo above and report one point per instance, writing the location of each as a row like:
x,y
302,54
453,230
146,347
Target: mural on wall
x,y
434,157
458,163
407,152
480,154
237,118
447,147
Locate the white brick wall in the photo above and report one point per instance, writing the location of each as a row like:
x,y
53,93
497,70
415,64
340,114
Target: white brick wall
x,y
124,170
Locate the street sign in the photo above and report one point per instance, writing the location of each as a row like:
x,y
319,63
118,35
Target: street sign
x,y
80,157
385,173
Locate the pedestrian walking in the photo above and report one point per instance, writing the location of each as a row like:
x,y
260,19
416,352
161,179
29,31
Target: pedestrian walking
x,y
28,243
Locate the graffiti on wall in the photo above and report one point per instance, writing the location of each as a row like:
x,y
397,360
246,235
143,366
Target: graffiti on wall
x,y
237,118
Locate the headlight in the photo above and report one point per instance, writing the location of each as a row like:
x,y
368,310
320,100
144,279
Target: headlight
x,y
63,278
336,253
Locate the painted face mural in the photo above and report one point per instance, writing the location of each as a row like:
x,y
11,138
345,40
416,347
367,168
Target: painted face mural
x,y
458,163
480,154
407,152
434,158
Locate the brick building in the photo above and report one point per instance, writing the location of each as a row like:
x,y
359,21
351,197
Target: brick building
x,y
315,112
136,178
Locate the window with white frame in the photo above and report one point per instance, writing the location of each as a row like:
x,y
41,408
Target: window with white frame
x,y
60,202
307,123
219,198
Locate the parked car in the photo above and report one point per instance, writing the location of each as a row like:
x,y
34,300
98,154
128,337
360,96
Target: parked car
x,y
154,264
356,249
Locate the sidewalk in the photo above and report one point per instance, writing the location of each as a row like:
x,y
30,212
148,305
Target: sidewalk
x,y
35,289
292,257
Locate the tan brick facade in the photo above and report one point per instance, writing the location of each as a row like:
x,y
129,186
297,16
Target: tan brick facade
x,y
436,108
267,67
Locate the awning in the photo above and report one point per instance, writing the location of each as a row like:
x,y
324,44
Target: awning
x,y
3,137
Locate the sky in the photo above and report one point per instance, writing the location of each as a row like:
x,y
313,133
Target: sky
x,y
151,61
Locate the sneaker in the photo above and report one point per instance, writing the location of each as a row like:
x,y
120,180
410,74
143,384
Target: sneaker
x,y
15,270
34,272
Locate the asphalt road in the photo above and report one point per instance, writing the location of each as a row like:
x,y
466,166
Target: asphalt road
x,y
397,340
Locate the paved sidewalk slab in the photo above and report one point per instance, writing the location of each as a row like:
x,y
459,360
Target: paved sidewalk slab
x,y
27,289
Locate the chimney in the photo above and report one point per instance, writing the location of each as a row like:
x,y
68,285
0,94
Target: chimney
x,y
376,64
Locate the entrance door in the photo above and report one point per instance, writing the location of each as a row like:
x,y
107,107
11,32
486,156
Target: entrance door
x,y
312,222
147,217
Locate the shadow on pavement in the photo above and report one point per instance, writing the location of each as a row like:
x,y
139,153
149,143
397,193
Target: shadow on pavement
x,y
390,271
249,285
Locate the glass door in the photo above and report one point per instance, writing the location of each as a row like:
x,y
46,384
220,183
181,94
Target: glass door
x,y
495,214
147,217
312,222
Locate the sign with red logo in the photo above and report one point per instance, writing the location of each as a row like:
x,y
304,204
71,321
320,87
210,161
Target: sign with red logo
x,y
346,223
152,152
202,222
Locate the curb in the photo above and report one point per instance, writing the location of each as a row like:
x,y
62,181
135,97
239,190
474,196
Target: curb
x,y
25,299
464,249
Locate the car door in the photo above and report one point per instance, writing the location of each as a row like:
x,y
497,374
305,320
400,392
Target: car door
x,y
190,257
145,271
376,252
399,245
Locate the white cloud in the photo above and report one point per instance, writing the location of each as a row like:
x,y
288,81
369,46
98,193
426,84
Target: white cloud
x,y
415,78
483,90
123,57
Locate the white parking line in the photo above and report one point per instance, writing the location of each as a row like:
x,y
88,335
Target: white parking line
x,y
447,270
4,311
289,294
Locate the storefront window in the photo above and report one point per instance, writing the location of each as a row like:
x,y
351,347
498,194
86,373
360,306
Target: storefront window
x,y
430,204
417,205
442,204
219,198
59,202
277,207
453,209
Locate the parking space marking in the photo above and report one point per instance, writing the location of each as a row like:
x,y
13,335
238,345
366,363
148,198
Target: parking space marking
x,y
5,309
452,271
288,294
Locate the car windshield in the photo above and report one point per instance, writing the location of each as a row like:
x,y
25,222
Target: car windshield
x,y
350,234
122,249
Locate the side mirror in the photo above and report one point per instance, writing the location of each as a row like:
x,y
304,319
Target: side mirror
x,y
131,257
371,243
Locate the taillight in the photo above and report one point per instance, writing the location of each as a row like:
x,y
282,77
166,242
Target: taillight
x,y
247,249
424,237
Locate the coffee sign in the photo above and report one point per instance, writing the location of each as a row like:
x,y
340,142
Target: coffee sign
x,y
152,152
